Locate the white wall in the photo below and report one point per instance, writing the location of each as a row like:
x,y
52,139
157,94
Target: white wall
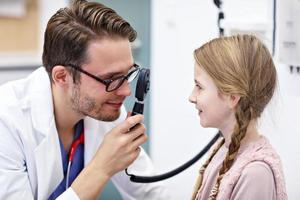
x,y
178,27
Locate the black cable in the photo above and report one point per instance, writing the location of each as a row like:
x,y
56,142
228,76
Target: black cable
x,y
150,179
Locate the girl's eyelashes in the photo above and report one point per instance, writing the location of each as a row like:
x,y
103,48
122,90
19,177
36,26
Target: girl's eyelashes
x,y
198,86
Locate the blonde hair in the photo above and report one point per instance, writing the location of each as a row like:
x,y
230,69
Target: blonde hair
x,y
239,65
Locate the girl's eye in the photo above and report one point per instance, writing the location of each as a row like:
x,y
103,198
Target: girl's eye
x,y
198,87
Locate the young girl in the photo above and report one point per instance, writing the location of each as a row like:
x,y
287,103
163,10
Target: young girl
x,y
235,78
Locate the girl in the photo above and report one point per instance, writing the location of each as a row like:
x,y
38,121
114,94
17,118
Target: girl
x,y
235,78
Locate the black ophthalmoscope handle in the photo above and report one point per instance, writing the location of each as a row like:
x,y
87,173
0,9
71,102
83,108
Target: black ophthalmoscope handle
x,y
142,88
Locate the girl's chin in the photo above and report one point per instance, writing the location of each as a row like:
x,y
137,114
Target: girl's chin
x,y
204,123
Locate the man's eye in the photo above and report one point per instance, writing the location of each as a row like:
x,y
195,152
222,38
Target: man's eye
x,y
109,77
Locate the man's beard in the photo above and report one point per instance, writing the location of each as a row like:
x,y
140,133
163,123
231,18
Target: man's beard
x,y
85,105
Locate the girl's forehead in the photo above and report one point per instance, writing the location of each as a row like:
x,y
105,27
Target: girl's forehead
x,y
200,73
203,78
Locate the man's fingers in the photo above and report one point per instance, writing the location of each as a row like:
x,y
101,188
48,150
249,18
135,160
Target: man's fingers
x,y
134,133
130,122
139,140
129,114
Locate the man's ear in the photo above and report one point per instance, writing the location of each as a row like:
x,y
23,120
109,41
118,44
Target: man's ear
x,y
60,75
233,100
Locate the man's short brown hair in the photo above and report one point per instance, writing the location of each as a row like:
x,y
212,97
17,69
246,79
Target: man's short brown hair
x,y
71,29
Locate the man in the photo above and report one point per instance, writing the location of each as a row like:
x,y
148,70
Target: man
x,y
64,131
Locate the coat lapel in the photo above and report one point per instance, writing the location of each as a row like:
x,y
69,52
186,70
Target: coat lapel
x,y
92,138
47,153
48,163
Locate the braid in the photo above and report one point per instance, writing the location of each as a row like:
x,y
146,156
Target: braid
x,y
204,166
243,116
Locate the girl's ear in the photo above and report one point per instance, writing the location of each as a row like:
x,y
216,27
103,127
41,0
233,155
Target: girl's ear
x,y
233,100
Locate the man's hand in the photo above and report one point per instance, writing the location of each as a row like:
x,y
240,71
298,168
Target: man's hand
x,y
118,150
120,146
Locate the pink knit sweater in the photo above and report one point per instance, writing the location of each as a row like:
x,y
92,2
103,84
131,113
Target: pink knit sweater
x,y
260,151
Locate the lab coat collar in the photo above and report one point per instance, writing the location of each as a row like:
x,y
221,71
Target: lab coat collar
x,y
41,97
47,153
42,111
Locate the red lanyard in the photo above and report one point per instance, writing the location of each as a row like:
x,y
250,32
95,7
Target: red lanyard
x,y
75,144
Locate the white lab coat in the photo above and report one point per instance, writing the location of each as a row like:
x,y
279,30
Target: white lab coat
x,y
30,158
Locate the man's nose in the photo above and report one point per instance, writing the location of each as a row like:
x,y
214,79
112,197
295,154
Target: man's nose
x,y
124,90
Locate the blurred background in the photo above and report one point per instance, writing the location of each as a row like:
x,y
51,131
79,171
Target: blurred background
x,y
168,33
